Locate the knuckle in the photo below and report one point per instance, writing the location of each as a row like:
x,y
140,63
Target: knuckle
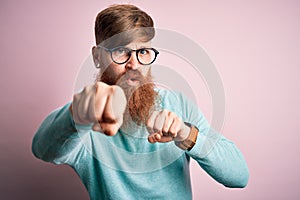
x,y
165,130
164,112
179,121
96,87
172,115
172,132
111,89
148,124
85,90
176,119
75,97
118,93
115,88
99,86
155,114
157,129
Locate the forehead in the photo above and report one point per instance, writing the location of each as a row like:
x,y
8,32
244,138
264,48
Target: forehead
x,y
138,44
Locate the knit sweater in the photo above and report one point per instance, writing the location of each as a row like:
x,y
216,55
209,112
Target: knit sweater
x,y
127,166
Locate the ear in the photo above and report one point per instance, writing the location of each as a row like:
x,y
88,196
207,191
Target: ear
x,y
96,56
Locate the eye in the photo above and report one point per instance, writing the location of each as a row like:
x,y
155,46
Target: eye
x,y
144,51
120,50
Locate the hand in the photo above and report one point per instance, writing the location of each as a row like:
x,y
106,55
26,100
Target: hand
x,y
166,126
101,105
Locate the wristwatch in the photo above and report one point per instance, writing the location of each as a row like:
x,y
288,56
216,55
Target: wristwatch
x,y
190,141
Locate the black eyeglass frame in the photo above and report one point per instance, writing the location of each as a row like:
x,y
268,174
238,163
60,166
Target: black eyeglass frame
x,y
130,53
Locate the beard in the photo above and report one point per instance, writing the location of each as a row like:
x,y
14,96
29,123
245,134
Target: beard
x,y
142,99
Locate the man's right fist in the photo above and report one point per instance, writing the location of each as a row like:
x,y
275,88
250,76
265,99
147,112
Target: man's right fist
x,y
101,105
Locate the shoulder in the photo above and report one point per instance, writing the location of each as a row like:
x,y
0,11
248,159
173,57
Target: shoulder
x,y
168,96
184,107
172,100
171,96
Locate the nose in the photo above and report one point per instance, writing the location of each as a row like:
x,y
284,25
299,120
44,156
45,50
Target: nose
x,y
133,62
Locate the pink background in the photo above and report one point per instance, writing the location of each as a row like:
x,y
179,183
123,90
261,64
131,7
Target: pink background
x,y
254,44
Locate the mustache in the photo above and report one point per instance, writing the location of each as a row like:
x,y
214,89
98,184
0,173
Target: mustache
x,y
131,74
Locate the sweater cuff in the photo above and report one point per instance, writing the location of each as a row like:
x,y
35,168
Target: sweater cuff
x,y
204,143
196,150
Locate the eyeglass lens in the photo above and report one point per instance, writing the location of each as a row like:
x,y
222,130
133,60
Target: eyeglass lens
x,y
122,54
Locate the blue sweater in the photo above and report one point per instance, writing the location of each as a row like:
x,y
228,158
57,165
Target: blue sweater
x,y
127,166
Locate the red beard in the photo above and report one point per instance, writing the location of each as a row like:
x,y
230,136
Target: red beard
x,y
139,91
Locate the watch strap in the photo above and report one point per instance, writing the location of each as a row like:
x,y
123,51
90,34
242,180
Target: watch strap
x,y
190,141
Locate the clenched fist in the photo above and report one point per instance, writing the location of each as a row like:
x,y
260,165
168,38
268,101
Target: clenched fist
x,y
101,105
166,126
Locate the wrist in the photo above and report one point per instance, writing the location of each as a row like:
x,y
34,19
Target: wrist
x,y
184,132
190,140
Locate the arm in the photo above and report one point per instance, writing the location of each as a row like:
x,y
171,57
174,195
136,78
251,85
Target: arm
x,y
99,107
57,139
218,156
221,159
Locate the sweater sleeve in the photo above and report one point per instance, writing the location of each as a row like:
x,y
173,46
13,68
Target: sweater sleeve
x,y
57,140
217,155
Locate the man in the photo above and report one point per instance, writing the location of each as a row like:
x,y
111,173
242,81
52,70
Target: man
x,y
127,139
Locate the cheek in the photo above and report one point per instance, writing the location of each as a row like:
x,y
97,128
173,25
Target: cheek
x,y
108,65
146,70
114,70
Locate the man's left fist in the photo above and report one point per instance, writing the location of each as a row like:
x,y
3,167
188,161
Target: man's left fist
x,y
166,126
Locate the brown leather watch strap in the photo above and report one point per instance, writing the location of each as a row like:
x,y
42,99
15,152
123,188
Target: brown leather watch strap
x,y
190,141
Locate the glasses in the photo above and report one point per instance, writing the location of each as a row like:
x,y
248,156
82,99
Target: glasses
x,y
121,55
